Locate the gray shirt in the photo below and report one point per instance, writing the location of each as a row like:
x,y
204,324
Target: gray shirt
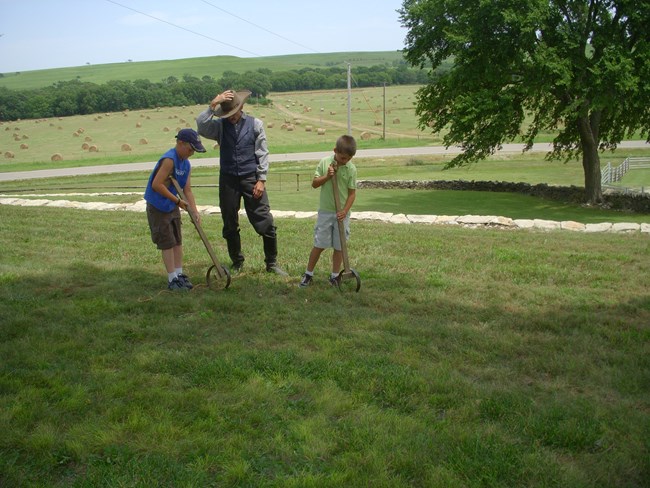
x,y
210,126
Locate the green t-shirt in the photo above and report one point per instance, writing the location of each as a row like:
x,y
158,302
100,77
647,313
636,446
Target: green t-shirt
x,y
346,177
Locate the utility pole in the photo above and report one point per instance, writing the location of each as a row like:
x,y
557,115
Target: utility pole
x,y
384,122
349,101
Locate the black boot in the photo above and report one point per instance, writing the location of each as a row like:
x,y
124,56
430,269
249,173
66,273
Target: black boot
x,y
234,251
271,254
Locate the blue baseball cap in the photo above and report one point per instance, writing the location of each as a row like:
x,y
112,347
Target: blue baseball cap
x,y
191,136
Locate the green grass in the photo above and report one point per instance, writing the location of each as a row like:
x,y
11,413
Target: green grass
x,y
469,358
289,188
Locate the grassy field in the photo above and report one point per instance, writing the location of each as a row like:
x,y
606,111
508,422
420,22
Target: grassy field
x,y
213,66
148,133
470,358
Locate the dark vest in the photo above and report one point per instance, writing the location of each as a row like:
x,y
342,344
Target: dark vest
x,y
237,153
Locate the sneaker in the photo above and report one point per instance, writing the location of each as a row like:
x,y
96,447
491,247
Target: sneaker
x,y
236,268
176,285
274,268
305,281
185,281
334,281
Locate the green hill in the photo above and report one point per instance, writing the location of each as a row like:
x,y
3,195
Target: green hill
x,y
213,66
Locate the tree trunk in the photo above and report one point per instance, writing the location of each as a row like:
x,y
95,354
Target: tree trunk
x,y
591,166
590,159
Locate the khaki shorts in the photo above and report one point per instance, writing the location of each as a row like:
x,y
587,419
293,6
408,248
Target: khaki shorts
x,y
165,227
326,232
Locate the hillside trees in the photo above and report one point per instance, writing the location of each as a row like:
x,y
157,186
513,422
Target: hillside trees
x,y
580,68
78,97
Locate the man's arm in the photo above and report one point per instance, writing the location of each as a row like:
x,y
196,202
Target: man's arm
x,y
261,150
208,127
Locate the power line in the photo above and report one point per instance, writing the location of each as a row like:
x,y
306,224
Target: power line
x,y
183,28
260,27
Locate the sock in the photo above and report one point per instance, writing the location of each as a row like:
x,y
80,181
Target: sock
x,y
171,276
179,271
309,273
334,275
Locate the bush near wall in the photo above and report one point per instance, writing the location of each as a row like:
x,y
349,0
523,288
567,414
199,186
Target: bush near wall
x,y
630,202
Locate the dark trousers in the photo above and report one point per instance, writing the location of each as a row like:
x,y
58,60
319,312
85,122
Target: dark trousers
x,y
231,191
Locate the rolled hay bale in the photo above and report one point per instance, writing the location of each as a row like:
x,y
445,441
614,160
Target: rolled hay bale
x,y
365,136
270,125
332,112
165,129
215,145
377,122
126,147
308,128
284,126
25,136
320,132
24,146
93,148
9,155
56,157
81,130
143,142
88,139
75,134
138,124
183,121
396,121
85,146
290,128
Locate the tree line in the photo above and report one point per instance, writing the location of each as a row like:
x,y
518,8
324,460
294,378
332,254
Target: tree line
x,y
76,97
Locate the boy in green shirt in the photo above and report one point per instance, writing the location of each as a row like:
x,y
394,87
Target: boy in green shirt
x,y
326,231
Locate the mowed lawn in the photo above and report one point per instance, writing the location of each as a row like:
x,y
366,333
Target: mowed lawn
x,y
468,358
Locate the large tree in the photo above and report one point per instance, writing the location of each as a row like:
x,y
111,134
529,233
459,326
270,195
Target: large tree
x,y
578,68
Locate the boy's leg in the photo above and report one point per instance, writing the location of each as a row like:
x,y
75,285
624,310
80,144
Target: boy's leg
x,y
178,256
337,261
169,259
314,255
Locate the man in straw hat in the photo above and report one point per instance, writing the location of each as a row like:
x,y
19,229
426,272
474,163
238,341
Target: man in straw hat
x,y
244,164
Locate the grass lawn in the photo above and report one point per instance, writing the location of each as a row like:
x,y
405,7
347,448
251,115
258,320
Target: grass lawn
x,y
469,358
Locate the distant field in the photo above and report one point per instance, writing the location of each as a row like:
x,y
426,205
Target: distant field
x,y
292,124
213,66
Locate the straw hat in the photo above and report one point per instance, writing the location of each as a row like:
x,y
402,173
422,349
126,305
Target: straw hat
x,y
231,107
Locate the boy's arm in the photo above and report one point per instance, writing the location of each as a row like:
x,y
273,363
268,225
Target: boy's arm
x,y
352,194
319,181
189,195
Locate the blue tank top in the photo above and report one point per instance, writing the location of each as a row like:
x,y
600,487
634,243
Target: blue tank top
x,y
182,170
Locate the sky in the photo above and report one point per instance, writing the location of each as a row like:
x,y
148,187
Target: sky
x,y
43,34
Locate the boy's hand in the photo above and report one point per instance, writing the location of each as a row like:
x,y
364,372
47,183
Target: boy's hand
x,y
331,171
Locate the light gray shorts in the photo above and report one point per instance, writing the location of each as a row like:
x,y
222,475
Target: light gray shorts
x,y
326,232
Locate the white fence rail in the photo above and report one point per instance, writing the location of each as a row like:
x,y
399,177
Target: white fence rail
x,y
611,174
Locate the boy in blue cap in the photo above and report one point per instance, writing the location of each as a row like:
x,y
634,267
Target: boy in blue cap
x,y
163,204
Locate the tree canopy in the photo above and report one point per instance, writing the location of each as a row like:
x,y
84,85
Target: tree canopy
x,y
578,68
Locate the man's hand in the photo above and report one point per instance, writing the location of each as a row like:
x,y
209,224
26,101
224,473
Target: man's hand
x,y
258,189
222,97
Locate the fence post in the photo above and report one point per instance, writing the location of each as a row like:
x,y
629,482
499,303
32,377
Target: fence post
x,y
297,181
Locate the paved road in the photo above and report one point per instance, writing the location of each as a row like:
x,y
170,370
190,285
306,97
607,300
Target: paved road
x,y
307,156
